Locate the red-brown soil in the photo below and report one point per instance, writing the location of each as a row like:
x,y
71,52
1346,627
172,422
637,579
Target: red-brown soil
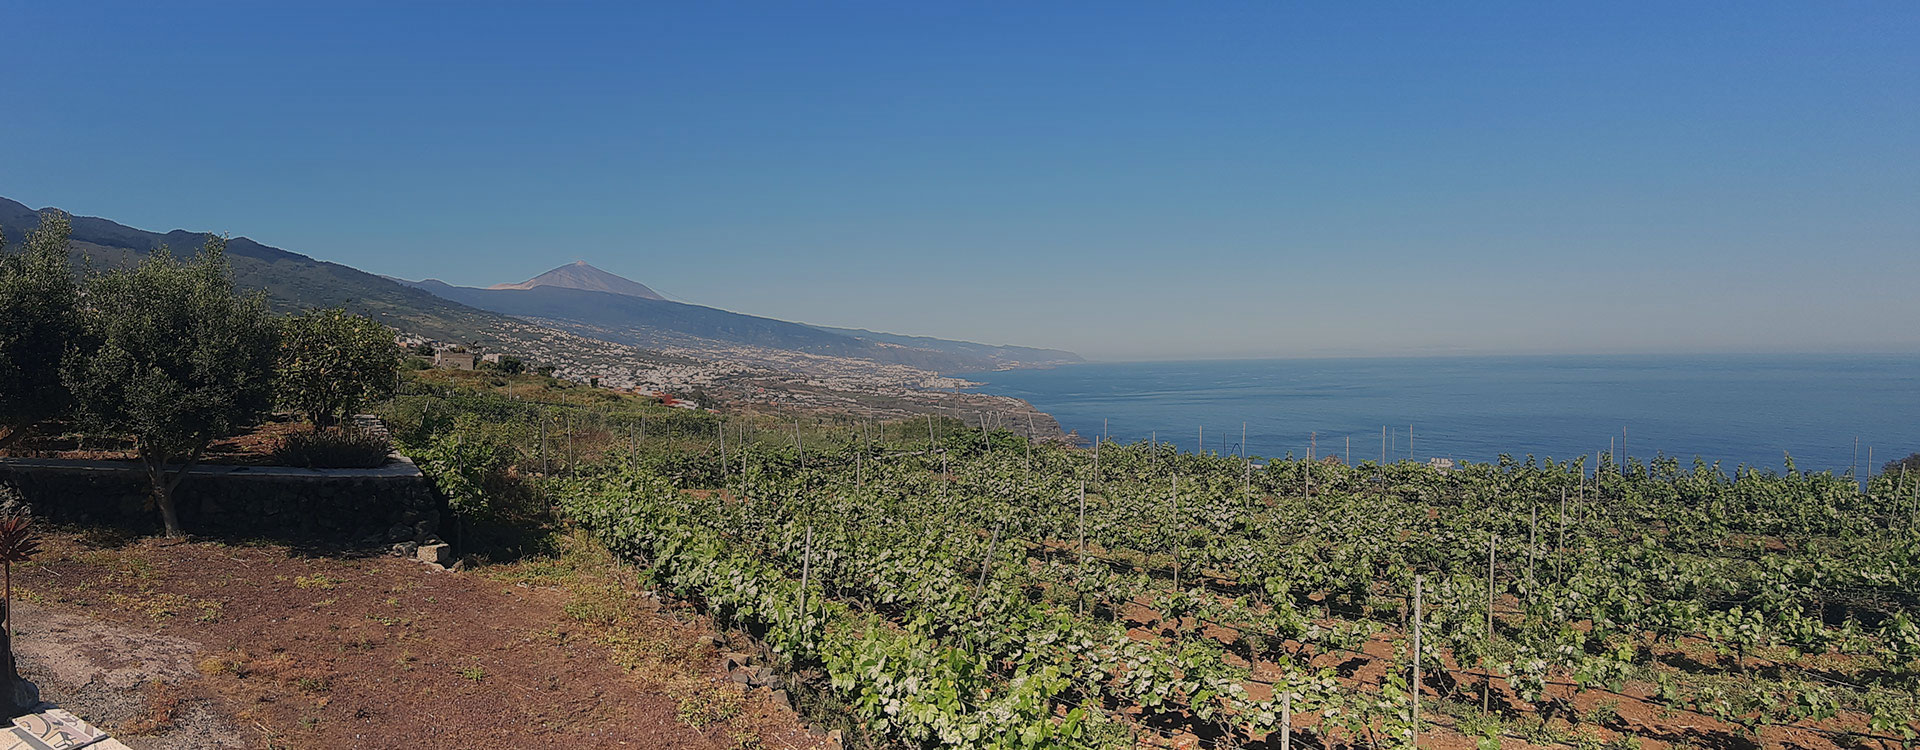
x,y
298,650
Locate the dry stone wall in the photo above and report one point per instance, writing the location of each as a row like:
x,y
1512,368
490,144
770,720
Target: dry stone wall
x,y
362,507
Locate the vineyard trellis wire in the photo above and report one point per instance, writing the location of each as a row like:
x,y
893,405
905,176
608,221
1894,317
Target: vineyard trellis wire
x,y
938,564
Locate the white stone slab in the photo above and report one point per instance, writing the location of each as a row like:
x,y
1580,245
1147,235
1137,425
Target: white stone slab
x,y
58,729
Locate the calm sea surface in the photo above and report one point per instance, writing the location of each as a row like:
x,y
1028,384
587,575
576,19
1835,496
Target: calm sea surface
x,y
1735,409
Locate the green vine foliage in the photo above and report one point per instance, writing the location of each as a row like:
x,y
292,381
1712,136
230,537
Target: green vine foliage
x,y
949,600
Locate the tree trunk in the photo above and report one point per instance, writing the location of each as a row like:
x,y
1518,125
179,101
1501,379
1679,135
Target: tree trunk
x,y
163,486
163,497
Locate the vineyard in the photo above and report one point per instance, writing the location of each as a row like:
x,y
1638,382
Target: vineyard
x,y
970,589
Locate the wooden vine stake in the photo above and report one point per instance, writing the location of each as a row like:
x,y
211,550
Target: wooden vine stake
x,y
987,563
1533,545
1096,458
1178,527
1029,442
1286,720
1246,472
1560,549
1413,729
806,571
1081,578
1486,690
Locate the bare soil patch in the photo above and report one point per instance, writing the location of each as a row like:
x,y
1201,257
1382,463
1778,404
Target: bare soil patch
x,y
186,644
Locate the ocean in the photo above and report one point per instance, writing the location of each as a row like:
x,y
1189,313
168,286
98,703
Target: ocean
x,y
1748,410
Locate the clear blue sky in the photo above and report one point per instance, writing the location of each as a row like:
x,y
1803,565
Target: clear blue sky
x,y
1127,180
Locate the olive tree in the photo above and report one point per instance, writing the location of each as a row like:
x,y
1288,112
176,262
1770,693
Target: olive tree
x,y
174,357
333,362
38,307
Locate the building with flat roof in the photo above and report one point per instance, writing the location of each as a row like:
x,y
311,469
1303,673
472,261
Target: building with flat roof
x,y
453,359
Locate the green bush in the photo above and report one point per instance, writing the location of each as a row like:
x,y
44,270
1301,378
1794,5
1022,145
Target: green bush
x,y
332,363
334,448
471,462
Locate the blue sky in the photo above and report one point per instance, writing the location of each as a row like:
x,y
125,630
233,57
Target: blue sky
x,y
1152,180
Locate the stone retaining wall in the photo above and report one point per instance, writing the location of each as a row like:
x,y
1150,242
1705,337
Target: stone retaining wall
x,y
368,507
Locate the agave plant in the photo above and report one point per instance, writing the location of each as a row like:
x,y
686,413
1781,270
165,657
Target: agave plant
x,y
17,544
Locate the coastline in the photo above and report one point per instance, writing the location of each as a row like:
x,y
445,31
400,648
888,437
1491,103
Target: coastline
x,y
1568,407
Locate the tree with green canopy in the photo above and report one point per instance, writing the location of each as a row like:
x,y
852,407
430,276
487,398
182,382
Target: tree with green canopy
x,y
333,362
174,357
38,304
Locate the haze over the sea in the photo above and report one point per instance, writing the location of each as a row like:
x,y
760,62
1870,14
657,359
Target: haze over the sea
x,y
1733,409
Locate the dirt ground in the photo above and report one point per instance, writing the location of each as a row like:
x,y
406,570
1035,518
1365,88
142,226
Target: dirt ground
x,y
210,644
254,447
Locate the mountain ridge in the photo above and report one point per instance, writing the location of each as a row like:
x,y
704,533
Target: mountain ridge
x,y
644,322
620,311
580,275
291,280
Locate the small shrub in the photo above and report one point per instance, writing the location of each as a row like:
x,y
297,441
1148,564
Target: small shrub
x,y
702,705
317,581
1604,712
164,704
1622,741
233,663
1485,728
334,448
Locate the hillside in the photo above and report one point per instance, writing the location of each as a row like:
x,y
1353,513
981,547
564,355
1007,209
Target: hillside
x,y
577,297
654,323
292,281
584,299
